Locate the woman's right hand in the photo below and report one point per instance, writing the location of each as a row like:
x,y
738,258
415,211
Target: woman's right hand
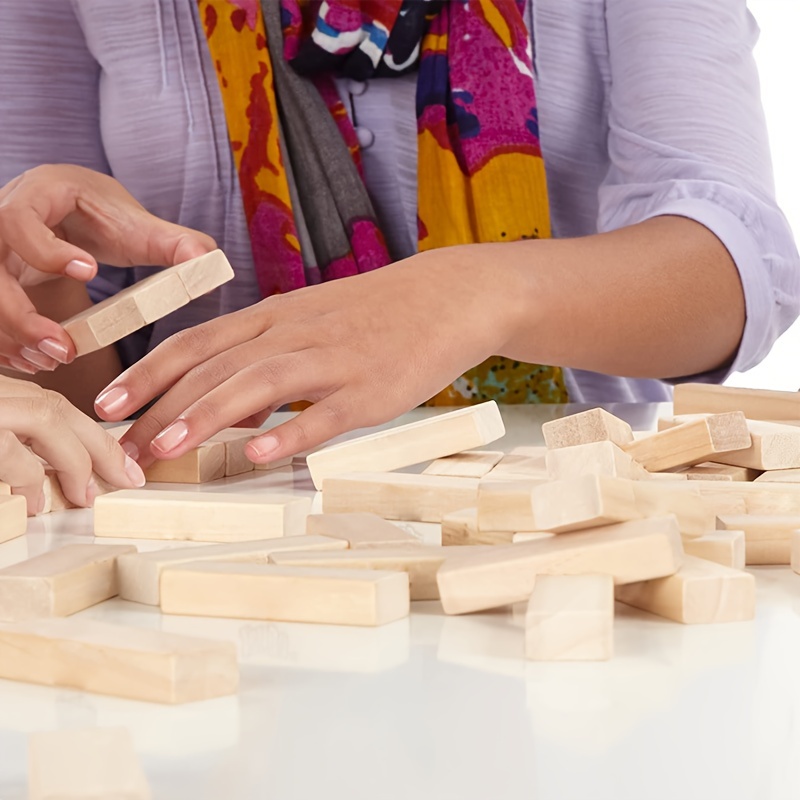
x,y
61,220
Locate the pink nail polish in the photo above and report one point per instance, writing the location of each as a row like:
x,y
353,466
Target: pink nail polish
x,y
134,473
171,436
38,359
22,366
264,447
79,270
54,349
112,400
130,450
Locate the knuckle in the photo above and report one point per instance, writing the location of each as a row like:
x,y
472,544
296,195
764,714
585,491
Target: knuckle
x,y
205,411
55,408
8,444
194,341
210,373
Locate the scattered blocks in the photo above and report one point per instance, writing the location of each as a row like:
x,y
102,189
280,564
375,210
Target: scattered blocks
x,y
461,528
359,530
595,425
722,547
570,618
469,464
13,517
704,398
506,506
596,458
767,538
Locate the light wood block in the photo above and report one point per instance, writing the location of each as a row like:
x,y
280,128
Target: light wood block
x,y
470,464
695,514
13,517
778,476
94,764
587,502
531,536
421,564
722,547
586,427
60,582
145,302
768,539
700,592
692,442
709,471
234,440
359,530
415,498
737,497
702,398
795,557
629,552
506,506
596,458
399,447
140,573
570,618
203,464
117,660
522,463
286,594
199,516
54,497
461,528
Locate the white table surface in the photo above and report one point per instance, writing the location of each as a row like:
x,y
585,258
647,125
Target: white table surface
x,y
445,707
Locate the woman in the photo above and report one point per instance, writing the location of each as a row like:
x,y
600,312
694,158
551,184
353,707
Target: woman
x,y
671,258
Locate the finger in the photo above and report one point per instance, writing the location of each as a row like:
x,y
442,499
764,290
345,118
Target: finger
x,y
161,369
22,471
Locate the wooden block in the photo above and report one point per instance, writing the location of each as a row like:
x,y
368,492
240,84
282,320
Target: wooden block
x,y
668,476
586,427
421,564
590,501
405,445
700,592
270,465
795,559
702,398
234,440
506,506
778,476
54,498
203,464
629,552
140,573
359,530
286,594
570,618
416,498
521,463
470,464
461,528
143,303
60,582
692,442
94,764
13,517
531,536
695,514
768,539
199,516
709,471
117,660
596,458
738,497
722,547
205,273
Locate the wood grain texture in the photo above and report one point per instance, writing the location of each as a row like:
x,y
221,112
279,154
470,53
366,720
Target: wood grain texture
x,y
768,539
469,464
723,547
13,517
359,530
764,404
461,528
596,458
506,506
595,425
711,471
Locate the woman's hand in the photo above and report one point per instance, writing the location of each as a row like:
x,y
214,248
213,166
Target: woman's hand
x,y
363,350
35,422
61,220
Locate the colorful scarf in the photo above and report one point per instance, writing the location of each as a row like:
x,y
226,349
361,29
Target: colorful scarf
x,y
481,173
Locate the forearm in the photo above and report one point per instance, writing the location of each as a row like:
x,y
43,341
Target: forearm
x,y
661,299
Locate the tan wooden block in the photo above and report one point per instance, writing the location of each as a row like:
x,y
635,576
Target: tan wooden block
x,y
235,440
203,464
140,573
700,592
570,618
199,516
520,464
506,506
531,536
60,582
702,398
286,594
722,547
668,476
205,273
596,458
709,471
359,530
595,425
415,498
105,322
778,476
692,442
13,517
461,528
469,464
93,764
795,557
117,660
629,552
768,539
399,447
421,564
587,502
54,498
738,497
695,514
160,294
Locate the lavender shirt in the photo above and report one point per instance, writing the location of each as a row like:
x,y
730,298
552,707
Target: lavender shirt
x,y
647,107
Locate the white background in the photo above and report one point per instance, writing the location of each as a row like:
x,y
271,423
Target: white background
x,y
778,56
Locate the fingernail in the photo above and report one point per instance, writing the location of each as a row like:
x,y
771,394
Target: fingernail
x,y
54,349
111,400
22,366
79,270
91,492
134,473
265,446
130,449
38,359
171,436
